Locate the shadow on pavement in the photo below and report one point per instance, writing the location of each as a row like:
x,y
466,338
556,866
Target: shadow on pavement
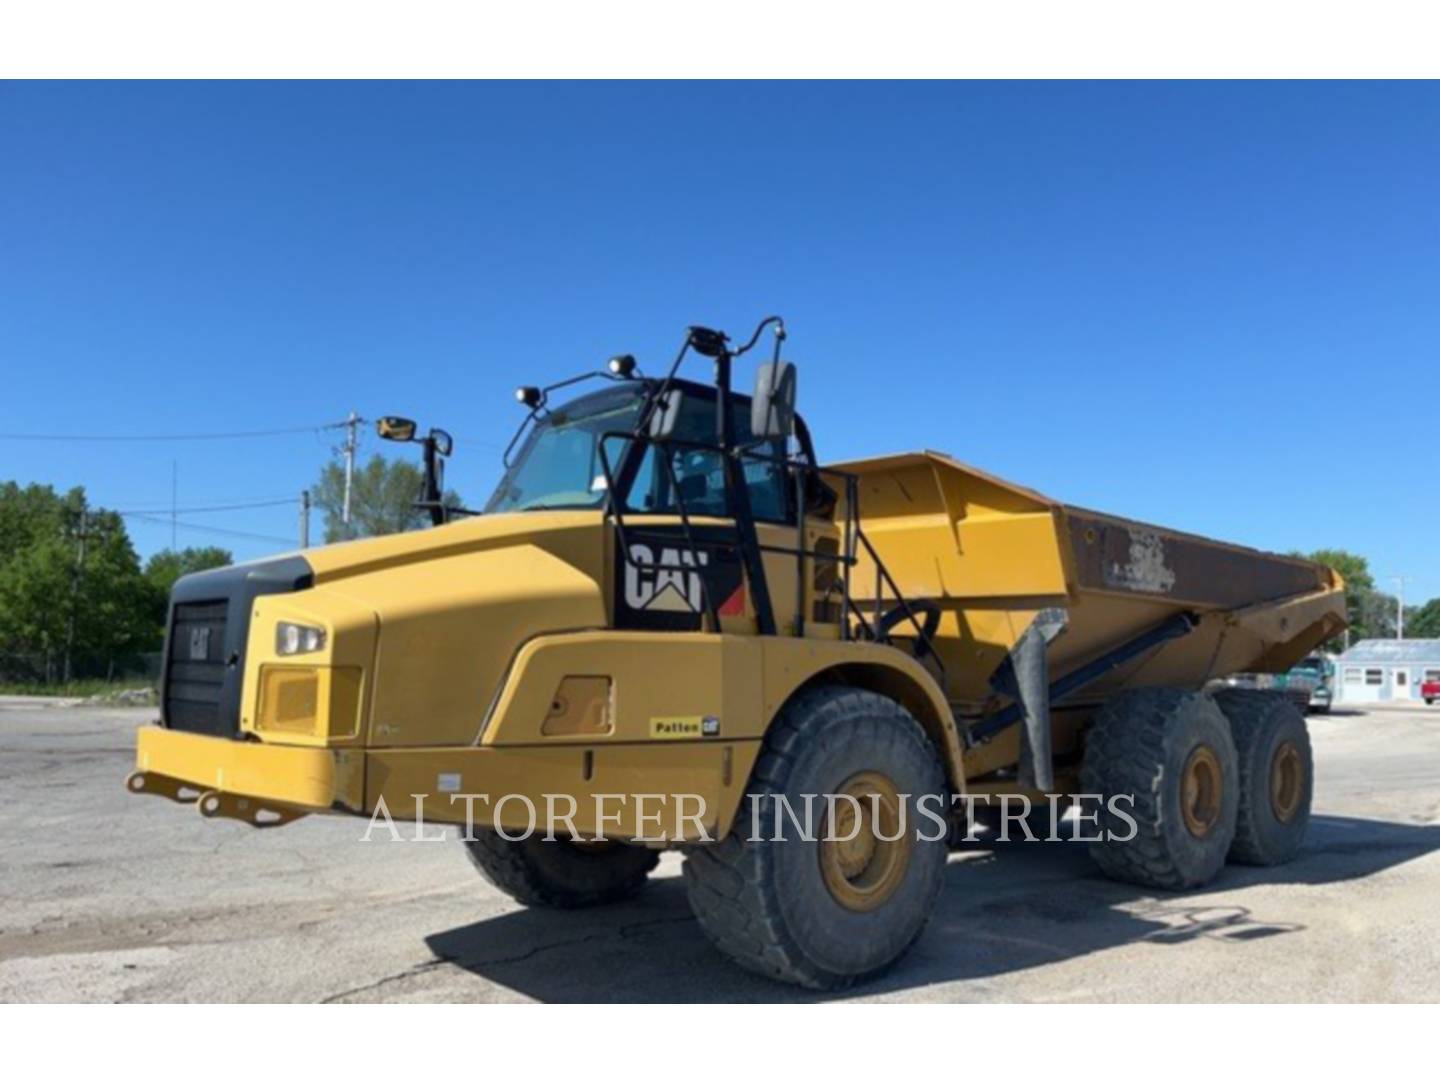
x,y
1006,907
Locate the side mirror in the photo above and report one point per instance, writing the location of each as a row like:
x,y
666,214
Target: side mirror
x,y
666,415
772,409
443,443
395,428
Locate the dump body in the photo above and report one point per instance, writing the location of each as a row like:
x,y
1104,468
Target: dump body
x,y
993,555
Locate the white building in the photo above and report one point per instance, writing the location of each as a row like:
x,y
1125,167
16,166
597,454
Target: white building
x,y
1380,669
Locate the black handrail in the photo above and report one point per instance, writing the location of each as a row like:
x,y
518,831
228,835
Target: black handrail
x,y
802,470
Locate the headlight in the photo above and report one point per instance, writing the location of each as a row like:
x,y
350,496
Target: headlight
x,y
292,638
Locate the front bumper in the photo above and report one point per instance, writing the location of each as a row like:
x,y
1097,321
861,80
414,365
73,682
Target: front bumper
x,y
268,784
252,781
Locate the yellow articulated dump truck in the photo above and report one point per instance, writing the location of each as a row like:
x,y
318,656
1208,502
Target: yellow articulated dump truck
x,y
672,628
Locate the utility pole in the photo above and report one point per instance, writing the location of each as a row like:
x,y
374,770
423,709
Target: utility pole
x,y
82,535
351,437
1399,606
305,518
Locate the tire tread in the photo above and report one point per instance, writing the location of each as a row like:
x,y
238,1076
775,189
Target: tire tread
x,y
733,898
509,865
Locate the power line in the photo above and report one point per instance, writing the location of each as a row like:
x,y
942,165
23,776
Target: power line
x,y
240,501
155,520
205,509
199,436
219,436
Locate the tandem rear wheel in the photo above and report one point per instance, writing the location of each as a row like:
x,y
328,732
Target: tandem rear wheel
x,y
1165,760
1277,775
1204,779
826,913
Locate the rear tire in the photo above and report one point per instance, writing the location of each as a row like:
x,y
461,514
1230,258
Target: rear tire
x,y
1277,776
823,913
1172,753
560,873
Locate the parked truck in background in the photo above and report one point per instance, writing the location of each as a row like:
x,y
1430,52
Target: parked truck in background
x,y
668,595
1316,675
1308,684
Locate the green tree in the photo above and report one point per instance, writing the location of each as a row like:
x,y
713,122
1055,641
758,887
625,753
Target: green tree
x,y
1423,621
70,583
166,567
382,499
1355,569
1364,607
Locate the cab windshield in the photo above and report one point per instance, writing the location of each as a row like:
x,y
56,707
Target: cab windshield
x,y
559,464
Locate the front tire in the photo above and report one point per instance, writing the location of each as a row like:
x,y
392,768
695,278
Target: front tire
x,y
828,913
1169,756
1277,773
560,873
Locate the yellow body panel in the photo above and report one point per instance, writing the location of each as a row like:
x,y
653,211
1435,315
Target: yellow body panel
x,y
351,631
695,786
652,674
453,605
603,782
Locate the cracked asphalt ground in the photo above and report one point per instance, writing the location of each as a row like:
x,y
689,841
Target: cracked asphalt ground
x,y
106,896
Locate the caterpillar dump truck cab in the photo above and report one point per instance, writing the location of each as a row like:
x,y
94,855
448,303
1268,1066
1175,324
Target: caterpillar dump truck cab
x,y
669,616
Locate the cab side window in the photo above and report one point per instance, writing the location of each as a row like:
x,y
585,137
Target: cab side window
x,y
765,480
700,473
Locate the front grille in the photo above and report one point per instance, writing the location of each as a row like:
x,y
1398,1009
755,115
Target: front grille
x,y
196,671
205,649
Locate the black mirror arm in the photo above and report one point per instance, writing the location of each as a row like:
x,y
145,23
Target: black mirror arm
x,y
430,497
769,320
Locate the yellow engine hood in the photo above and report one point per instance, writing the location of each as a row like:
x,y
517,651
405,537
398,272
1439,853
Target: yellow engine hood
x,y
452,606
335,561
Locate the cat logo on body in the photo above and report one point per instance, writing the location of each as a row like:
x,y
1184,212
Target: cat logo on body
x,y
664,586
670,586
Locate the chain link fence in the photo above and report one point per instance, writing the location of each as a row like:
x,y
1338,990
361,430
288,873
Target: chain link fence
x,y
40,671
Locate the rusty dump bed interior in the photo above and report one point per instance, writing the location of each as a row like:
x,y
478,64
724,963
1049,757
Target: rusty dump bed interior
x,y
992,555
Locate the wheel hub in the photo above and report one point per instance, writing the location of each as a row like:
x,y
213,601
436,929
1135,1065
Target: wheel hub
x,y
862,871
1287,781
1200,791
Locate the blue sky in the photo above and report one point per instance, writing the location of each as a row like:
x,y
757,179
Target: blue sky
x,y
1212,306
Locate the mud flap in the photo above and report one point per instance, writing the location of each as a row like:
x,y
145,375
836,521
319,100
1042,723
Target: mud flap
x,y
1025,676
